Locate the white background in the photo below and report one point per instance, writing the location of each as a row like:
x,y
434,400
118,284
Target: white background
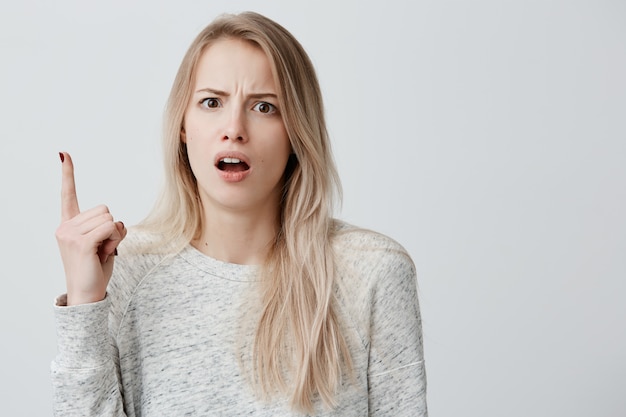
x,y
488,137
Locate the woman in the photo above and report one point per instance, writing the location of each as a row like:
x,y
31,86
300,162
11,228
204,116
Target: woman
x,y
239,294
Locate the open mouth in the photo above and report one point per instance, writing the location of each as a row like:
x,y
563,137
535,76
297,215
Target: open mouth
x,y
232,165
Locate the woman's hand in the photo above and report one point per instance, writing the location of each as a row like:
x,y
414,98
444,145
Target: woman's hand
x,y
87,241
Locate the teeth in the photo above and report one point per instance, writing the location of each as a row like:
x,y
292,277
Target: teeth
x,y
231,160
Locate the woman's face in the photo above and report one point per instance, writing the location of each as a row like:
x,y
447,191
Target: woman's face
x,y
236,140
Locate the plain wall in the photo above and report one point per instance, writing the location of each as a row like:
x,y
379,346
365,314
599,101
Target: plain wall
x,y
488,137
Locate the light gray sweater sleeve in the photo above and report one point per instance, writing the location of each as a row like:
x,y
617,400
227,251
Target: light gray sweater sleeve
x,y
396,372
84,374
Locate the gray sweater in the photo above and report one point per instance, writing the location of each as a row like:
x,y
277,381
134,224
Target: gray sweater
x,y
167,339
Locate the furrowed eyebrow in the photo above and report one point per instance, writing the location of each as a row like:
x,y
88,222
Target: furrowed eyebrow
x,y
212,91
263,95
225,94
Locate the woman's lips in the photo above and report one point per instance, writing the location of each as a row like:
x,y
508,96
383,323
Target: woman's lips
x,y
232,166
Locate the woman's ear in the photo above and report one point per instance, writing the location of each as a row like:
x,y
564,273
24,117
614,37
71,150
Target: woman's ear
x,y
183,135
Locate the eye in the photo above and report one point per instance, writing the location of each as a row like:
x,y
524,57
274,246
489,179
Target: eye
x,y
264,107
210,103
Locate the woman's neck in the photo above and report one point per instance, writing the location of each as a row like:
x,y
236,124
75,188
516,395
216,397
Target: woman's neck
x,y
235,237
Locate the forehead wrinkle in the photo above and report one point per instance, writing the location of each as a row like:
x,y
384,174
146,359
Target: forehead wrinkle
x,y
232,67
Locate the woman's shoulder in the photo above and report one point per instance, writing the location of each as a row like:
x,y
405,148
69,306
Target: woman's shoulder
x,y
138,255
368,256
352,239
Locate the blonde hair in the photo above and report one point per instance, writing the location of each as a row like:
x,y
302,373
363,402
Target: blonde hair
x,y
298,347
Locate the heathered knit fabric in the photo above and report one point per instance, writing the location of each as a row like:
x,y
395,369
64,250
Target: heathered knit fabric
x,y
168,338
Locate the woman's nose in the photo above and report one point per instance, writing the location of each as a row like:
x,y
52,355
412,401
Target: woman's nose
x,y
235,128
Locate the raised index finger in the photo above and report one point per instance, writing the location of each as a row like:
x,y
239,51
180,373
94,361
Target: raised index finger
x,y
69,202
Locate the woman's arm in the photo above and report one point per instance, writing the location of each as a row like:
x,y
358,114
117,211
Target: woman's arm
x,y
84,374
396,373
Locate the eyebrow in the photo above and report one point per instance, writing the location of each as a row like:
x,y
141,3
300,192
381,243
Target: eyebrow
x,y
224,93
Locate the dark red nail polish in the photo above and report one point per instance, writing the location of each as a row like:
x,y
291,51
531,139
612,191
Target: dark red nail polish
x,y
115,252
62,157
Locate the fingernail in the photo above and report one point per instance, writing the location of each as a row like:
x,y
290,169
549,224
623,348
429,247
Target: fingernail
x,y
115,252
122,223
62,157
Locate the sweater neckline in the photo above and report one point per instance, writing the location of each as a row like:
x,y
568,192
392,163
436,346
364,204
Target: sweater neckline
x,y
219,269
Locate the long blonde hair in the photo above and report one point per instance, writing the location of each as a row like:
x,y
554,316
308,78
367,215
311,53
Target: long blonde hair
x,y
298,347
